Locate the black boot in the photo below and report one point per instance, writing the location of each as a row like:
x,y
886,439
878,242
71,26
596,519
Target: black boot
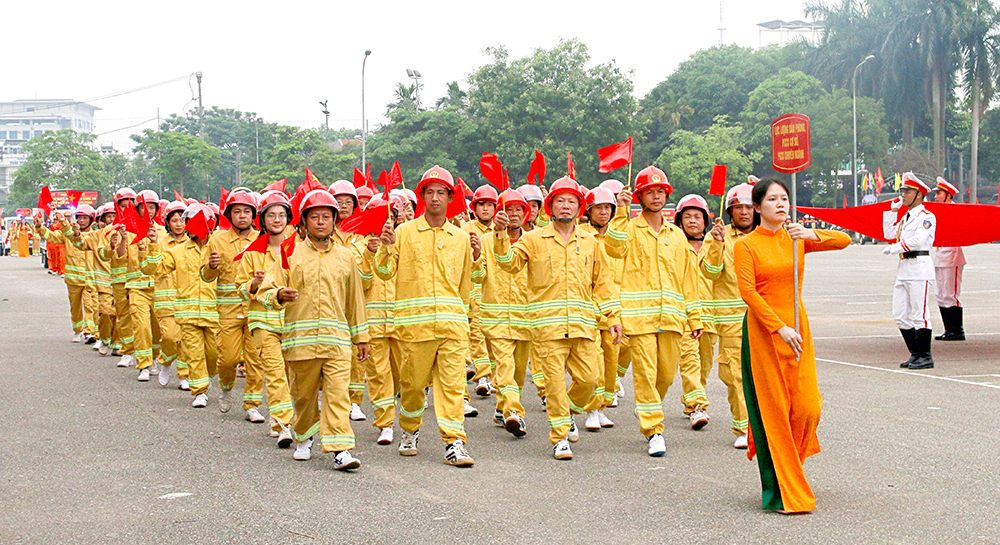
x,y
922,342
909,338
953,330
946,320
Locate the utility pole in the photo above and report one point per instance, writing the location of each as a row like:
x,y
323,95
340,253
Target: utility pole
x,y
326,112
201,109
364,124
722,22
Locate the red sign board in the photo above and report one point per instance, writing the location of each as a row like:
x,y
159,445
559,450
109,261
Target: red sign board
x,y
790,143
62,198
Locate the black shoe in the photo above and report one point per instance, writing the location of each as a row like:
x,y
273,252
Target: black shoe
x,y
922,343
908,337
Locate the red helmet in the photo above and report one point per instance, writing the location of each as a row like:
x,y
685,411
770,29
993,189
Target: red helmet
x,y
125,193
613,185
485,193
86,210
602,195
149,196
343,187
565,185
513,196
436,174
365,192
192,211
531,193
242,197
741,194
317,198
212,207
106,208
650,177
176,206
275,198
691,201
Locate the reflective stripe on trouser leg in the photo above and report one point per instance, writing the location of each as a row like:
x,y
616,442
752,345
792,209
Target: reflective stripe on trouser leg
x,y
253,386
357,384
537,376
607,353
196,343
477,349
731,374
910,304
140,304
511,358
380,387
75,292
123,324
624,357
272,363
654,364
306,377
157,335
106,316
578,357
335,417
441,362
90,306
169,338
695,365
230,350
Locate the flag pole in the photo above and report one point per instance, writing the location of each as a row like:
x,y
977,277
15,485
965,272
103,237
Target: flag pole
x,y
630,175
795,261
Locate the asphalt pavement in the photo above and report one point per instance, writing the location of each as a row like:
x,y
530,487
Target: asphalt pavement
x,y
93,456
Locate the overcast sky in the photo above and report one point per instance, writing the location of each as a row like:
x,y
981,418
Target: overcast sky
x,y
280,59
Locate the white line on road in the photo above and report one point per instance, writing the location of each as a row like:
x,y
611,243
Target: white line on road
x,y
893,336
997,386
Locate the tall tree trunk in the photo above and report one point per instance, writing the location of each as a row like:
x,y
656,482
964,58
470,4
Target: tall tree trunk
x,y
976,112
937,115
908,123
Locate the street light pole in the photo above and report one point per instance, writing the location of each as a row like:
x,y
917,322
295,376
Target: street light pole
x,y
415,76
854,99
364,125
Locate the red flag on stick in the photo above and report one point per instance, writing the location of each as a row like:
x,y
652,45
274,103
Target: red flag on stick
x,y
366,222
73,197
259,244
198,225
223,220
718,186
536,173
491,169
287,249
359,178
305,187
458,204
179,197
45,200
879,181
570,167
615,156
276,186
395,177
845,201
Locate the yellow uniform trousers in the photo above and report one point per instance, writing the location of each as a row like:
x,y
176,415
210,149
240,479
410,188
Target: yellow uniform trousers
x,y
624,361
170,338
440,362
333,422
537,377
236,345
608,378
357,384
123,323
578,357
140,304
695,365
478,353
75,292
382,380
731,374
654,363
200,354
106,316
154,323
272,365
511,357
90,307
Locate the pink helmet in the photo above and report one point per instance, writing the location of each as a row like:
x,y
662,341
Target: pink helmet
x,y
86,210
343,187
176,206
740,194
125,193
531,193
602,195
691,201
513,196
613,185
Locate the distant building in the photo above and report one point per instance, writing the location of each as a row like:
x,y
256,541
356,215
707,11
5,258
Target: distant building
x,y
780,32
23,120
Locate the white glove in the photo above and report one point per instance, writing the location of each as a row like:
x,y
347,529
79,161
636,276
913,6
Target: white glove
x,y
896,204
887,250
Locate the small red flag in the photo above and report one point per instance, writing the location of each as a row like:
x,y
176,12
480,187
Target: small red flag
x,y
73,197
276,186
458,204
311,179
536,173
287,249
381,179
491,169
570,167
395,177
45,200
179,197
718,186
366,222
222,219
134,223
259,244
879,181
615,156
305,187
845,201
359,178
198,225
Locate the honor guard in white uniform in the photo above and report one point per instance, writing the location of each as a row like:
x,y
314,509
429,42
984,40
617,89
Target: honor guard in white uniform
x,y
948,265
914,236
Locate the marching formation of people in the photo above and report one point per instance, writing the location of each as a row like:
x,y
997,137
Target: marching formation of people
x,y
534,283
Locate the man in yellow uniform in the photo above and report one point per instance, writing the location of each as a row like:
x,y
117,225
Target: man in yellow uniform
x,y
235,342
95,241
76,262
266,324
624,354
601,204
726,305
321,294
503,319
658,281
432,263
569,284
165,295
195,306
123,343
484,206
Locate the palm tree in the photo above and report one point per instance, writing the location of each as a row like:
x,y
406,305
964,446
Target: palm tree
x,y
404,98
673,112
980,47
454,99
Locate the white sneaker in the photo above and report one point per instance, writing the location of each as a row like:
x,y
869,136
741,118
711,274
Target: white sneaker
x,y
200,401
104,349
483,387
77,338
498,418
620,394
456,455
155,368
285,437
225,401
303,450
699,418
164,378
143,375
182,384
253,415
593,423
470,411
614,402
561,451
604,420
98,345
408,444
545,407
356,413
385,437
344,461
574,433
741,442
657,446
125,361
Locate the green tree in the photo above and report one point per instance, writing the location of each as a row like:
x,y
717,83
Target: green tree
x,y
61,160
419,140
980,47
454,99
183,162
403,98
295,150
